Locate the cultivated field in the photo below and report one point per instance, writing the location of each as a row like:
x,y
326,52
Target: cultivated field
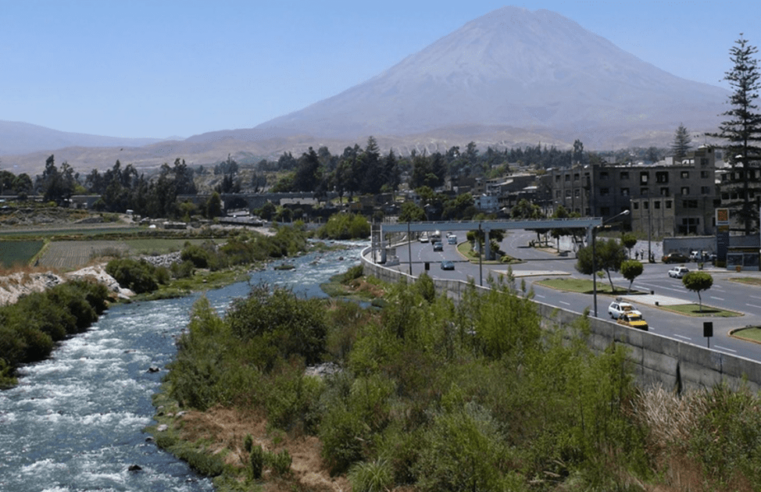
x,y
70,255
18,252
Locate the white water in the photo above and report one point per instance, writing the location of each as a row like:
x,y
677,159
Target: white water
x,y
75,421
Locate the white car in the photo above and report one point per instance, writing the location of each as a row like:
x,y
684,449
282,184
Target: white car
x,y
618,308
678,272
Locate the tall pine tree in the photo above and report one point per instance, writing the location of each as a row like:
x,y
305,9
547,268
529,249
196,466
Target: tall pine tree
x,y
681,143
742,129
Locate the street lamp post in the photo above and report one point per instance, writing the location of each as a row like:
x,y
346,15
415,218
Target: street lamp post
x,y
649,229
594,257
409,246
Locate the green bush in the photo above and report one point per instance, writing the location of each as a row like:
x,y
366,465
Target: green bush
x,y
183,269
204,462
138,276
374,476
197,255
279,325
256,459
424,286
345,226
280,462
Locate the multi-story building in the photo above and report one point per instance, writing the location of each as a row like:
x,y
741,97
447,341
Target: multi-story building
x,y
682,194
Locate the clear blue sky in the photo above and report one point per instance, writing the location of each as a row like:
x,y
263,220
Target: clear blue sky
x,y
134,68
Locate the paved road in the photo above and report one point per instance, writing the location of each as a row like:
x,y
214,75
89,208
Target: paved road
x,y
539,264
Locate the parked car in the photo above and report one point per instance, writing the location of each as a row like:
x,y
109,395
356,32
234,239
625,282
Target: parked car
x,y
696,255
617,308
678,272
447,265
675,258
633,321
438,246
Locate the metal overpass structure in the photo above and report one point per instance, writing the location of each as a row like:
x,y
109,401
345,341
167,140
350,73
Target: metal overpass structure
x,y
486,226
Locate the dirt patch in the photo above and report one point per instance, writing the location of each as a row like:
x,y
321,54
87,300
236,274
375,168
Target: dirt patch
x,y
226,428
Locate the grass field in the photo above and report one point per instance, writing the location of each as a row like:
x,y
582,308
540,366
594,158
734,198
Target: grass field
x,y
751,333
583,286
695,310
70,255
151,246
18,252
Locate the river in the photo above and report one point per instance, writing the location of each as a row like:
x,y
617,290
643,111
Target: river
x,y
75,421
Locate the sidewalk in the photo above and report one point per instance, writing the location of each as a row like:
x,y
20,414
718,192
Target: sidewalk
x,y
655,299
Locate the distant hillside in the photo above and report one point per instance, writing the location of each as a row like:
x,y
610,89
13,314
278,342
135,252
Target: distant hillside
x,y
512,67
24,138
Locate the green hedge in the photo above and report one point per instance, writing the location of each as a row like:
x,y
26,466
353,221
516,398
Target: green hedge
x,y
30,328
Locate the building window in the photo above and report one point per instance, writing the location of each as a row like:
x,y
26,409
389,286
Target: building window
x,y
568,193
685,190
705,190
643,191
557,178
646,205
587,212
604,191
662,177
636,205
604,211
557,194
603,174
625,191
577,193
668,203
568,177
576,177
657,205
690,204
665,191
624,175
685,175
703,174
644,177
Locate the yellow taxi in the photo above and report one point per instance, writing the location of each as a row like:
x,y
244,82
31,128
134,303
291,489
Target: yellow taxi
x,y
633,320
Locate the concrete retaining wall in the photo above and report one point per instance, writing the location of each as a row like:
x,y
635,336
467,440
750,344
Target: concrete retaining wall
x,y
656,359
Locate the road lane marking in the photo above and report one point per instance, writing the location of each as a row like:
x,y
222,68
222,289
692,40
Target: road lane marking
x,y
540,295
566,303
753,305
675,290
681,336
717,298
724,348
755,297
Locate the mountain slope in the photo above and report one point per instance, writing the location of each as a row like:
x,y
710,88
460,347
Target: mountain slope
x,y
22,138
518,68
